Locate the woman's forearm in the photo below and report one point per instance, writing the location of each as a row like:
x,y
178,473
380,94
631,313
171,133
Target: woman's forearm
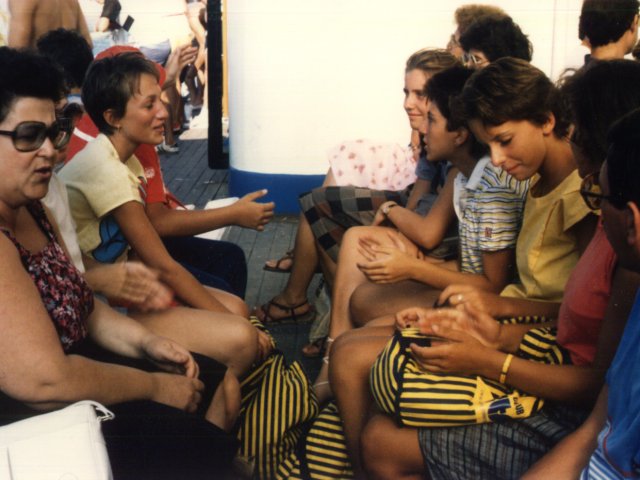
x,y
115,332
560,383
73,378
510,307
438,277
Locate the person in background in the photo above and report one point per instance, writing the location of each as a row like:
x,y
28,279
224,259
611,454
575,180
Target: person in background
x,y
70,50
490,38
464,16
30,19
609,28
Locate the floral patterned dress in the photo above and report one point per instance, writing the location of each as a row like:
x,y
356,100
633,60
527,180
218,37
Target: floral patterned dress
x,y
63,290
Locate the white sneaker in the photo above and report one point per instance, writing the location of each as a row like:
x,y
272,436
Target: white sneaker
x,y
164,148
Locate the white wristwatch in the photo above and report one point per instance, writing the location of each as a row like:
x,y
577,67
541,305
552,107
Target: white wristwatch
x,y
387,207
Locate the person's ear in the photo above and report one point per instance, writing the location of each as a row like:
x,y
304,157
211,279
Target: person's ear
x,y
632,218
634,24
111,118
462,135
549,125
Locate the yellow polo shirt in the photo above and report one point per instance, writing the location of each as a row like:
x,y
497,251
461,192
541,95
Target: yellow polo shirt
x,y
546,250
97,183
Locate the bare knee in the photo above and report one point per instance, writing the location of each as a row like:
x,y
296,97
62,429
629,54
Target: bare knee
x,y
352,356
389,451
375,452
353,234
237,306
241,344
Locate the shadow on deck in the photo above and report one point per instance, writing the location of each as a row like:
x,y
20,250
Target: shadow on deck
x,y
189,178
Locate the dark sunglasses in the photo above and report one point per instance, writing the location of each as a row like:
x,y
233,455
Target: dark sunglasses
x,y
592,195
29,136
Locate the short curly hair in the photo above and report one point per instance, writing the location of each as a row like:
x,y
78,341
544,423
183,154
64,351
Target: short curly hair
x,y
465,15
497,38
513,89
27,74
605,21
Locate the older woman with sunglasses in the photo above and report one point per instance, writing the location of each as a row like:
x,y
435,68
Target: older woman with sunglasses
x,y
59,345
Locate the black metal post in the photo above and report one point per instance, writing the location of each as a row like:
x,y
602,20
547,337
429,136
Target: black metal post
x,y
217,159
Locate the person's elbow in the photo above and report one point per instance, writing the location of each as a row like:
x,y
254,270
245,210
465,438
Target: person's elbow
x,y
42,388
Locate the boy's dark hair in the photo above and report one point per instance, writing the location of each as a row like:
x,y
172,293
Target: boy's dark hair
x,y
513,89
443,89
27,74
497,37
71,51
605,21
110,83
623,159
597,96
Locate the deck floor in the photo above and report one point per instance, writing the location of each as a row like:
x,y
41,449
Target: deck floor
x,y
189,178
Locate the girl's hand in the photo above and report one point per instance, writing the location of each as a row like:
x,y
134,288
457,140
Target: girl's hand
x,y
484,328
136,285
177,391
462,295
389,263
458,353
249,213
409,317
380,218
265,346
169,356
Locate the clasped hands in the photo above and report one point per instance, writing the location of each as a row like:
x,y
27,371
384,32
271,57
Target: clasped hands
x,y
178,385
467,334
387,262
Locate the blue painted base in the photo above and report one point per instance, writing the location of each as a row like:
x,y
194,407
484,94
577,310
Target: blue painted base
x,y
283,189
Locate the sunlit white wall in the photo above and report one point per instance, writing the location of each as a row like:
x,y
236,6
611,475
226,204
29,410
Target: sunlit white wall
x,y
307,74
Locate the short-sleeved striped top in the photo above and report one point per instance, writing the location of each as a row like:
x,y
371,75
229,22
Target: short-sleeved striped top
x,y
489,205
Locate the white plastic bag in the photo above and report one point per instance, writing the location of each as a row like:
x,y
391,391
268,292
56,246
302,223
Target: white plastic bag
x,y
64,444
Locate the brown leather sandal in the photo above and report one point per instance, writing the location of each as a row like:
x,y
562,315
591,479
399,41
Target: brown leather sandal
x,y
278,268
316,348
265,313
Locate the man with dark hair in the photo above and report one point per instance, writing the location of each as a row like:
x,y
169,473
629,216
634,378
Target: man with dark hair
x,y
490,38
71,51
607,445
609,27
